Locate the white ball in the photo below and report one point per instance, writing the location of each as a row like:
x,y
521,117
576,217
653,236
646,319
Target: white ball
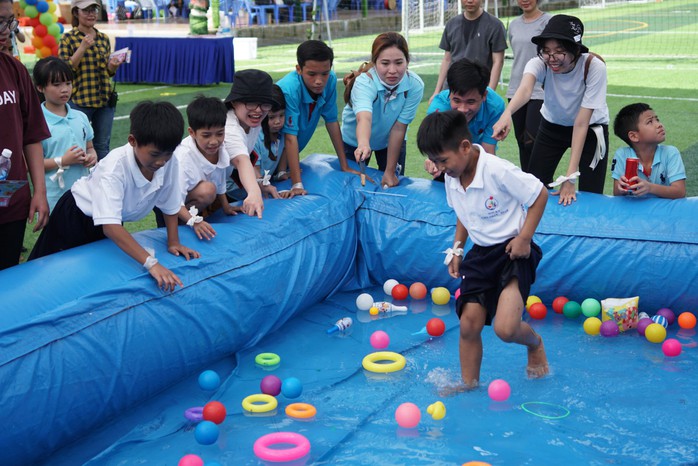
x,y
364,302
389,285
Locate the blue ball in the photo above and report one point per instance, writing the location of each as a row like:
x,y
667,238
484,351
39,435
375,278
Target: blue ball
x,y
291,387
209,380
661,320
206,433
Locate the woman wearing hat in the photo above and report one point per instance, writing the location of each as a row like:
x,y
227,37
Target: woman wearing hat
x,y
575,113
88,52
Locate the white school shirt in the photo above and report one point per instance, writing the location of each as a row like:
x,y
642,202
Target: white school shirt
x,y
116,191
238,142
565,93
493,208
195,168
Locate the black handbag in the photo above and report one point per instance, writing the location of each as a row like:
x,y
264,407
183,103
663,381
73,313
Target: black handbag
x,y
113,98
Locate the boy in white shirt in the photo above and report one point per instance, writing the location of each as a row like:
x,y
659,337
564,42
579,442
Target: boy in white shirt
x,y
499,207
124,187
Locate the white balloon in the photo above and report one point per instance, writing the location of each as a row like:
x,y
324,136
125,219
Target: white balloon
x,y
364,302
389,285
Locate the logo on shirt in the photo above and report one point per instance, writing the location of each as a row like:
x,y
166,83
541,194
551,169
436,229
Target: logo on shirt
x,y
290,121
491,203
662,178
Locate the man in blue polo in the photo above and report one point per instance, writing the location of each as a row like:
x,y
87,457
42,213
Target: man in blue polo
x,y
310,92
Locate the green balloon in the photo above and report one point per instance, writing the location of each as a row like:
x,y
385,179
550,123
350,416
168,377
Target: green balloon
x,y
591,307
23,4
47,18
572,309
31,11
54,29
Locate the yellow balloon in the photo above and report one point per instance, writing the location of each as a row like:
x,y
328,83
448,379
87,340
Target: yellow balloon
x,y
655,333
440,295
532,300
51,7
592,325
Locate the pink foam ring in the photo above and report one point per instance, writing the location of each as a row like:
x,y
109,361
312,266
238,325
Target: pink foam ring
x,y
379,339
609,328
190,460
499,390
262,447
671,347
668,314
457,293
408,415
270,385
642,325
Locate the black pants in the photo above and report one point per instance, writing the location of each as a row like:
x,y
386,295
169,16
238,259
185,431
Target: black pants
x,y
11,239
381,156
526,123
551,143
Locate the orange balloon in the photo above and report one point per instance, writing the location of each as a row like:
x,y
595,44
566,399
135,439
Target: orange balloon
x,y
45,52
687,320
37,42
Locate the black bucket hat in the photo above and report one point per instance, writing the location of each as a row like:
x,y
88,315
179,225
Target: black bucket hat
x,y
562,27
251,86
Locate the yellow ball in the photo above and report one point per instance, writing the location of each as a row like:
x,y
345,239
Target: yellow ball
x,y
592,325
655,333
440,295
373,311
532,300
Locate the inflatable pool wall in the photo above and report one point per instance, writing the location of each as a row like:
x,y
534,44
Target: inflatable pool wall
x,y
85,334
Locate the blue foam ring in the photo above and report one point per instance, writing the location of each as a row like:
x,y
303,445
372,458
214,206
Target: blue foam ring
x,y
195,414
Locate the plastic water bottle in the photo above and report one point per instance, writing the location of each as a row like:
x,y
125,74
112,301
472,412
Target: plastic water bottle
x,y
5,164
341,325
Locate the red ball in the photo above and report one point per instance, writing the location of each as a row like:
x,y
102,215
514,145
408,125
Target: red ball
x,y
436,327
400,292
418,290
538,310
214,411
559,304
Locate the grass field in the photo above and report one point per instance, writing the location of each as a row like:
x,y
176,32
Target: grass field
x,y
648,60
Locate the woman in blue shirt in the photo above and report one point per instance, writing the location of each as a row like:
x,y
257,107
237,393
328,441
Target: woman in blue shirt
x,y
381,100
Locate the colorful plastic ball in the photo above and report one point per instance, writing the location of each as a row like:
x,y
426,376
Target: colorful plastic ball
x,y
532,300
572,309
270,385
538,311
661,320
374,311
609,328
559,304
215,412
642,325
400,292
408,415
671,347
291,387
499,390
190,460
389,285
655,333
668,314
440,295
364,302
206,433
592,325
436,327
379,339
476,463
209,380
591,307
687,320
418,290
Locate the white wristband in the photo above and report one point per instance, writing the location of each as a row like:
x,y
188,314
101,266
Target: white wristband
x,y
561,179
454,251
298,185
150,262
195,218
59,161
280,174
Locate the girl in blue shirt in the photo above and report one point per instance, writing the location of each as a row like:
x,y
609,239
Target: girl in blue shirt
x,y
381,100
270,147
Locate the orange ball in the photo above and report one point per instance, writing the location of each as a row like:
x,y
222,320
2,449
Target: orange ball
x,y
418,290
214,411
559,304
538,311
687,320
399,292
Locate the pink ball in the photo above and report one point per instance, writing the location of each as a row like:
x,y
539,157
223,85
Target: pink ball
x,y
190,460
668,314
457,293
380,339
499,390
610,328
642,325
671,347
408,415
270,385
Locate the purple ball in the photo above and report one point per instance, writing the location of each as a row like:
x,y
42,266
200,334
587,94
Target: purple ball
x,y
609,328
668,314
642,325
270,385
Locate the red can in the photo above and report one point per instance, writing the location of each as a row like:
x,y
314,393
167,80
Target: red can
x,y
631,166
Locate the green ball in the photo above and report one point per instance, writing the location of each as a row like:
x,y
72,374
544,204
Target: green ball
x,y
591,307
54,29
47,18
31,11
572,309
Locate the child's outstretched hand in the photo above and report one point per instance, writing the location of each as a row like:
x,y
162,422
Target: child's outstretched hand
x,y
518,248
179,249
204,229
253,205
167,280
270,190
231,209
567,193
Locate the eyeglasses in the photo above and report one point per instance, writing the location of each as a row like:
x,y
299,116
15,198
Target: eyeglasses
x,y
90,9
10,23
254,105
558,56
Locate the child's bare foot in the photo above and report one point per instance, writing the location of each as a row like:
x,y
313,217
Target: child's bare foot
x,y
454,389
537,361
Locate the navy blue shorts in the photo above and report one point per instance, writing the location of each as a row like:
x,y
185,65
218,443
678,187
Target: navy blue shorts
x,y
487,270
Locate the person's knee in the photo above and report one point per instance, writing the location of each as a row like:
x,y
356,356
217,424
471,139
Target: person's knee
x,y
202,195
505,332
471,321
